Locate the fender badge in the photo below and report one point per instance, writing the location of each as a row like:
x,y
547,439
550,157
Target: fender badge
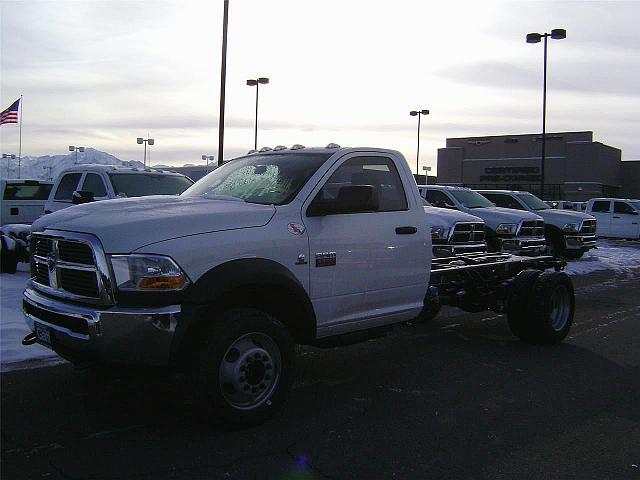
x,y
295,229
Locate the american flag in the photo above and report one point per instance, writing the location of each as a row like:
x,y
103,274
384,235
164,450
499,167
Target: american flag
x,y
10,115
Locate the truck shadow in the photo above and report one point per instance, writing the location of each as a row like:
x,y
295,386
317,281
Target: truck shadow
x,y
434,400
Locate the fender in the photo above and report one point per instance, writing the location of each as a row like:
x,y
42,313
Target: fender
x,y
250,282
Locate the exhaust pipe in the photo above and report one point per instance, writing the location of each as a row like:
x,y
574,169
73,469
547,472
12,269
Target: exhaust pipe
x,y
29,339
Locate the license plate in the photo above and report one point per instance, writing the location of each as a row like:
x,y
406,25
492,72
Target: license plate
x,y
43,334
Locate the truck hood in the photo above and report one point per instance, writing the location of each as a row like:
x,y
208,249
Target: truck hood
x,y
494,216
123,225
448,217
560,218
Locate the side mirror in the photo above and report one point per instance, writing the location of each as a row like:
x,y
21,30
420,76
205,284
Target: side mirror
x,y
81,196
350,199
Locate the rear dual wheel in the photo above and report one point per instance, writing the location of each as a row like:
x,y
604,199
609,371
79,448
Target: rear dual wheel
x,y
541,306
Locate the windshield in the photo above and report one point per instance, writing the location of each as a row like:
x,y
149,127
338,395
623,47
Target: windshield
x,y
266,179
141,184
533,202
471,199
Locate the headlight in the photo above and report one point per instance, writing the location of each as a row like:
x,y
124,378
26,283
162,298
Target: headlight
x,y
147,273
507,229
571,227
439,233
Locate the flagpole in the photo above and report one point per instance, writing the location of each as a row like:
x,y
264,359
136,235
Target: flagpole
x,y
20,138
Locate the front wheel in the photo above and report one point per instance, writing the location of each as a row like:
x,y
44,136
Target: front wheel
x,y
246,368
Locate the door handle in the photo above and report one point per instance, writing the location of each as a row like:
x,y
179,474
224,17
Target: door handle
x,y
615,216
406,230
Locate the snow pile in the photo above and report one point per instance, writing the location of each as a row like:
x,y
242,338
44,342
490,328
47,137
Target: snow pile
x,y
49,166
618,255
13,328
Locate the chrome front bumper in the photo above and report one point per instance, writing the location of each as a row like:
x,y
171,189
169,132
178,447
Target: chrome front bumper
x,y
523,245
112,334
580,242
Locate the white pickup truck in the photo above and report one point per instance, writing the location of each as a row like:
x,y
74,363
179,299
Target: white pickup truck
x,y
568,233
85,183
320,246
508,230
22,201
617,217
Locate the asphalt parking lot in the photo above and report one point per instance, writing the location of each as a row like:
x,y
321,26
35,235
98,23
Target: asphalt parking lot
x,y
459,398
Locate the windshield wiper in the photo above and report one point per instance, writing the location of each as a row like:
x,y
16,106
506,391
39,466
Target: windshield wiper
x,y
214,196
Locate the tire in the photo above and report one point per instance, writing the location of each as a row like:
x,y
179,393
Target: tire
x,y
8,255
518,301
547,314
574,254
246,368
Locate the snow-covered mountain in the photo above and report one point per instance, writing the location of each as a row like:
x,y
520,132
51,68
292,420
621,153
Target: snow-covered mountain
x,y
50,166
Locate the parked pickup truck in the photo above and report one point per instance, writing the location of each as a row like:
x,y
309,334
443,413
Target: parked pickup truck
x,y
568,233
86,183
321,246
454,232
22,201
617,217
508,230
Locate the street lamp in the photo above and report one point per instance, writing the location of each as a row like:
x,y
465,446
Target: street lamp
x,y
556,34
9,157
419,114
256,83
140,141
208,158
73,148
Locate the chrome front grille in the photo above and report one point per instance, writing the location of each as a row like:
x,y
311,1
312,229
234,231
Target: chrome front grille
x,y
468,233
588,227
532,228
73,267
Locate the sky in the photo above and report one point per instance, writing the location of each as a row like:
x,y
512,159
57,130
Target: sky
x,y
102,73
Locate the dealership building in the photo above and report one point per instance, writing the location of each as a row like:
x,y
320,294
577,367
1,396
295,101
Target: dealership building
x,y
576,168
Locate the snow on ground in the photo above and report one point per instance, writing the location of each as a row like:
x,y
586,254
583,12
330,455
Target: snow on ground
x,y
14,355
617,255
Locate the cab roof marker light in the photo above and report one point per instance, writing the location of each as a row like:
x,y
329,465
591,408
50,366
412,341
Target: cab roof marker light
x,y
297,146
253,150
333,145
279,147
266,149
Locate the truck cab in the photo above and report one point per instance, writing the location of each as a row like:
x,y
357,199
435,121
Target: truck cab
x,y
454,232
508,230
567,232
22,200
87,183
617,217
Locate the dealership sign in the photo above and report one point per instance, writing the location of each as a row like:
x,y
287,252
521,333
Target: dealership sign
x,y
511,174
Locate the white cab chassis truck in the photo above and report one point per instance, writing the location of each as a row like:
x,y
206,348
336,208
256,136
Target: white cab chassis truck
x,y
568,233
321,246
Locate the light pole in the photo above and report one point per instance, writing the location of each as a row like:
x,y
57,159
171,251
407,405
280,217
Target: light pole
x,y
208,158
9,157
256,83
419,114
73,148
557,34
140,141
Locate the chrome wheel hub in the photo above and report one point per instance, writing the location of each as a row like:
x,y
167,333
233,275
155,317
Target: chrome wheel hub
x,y
250,371
560,308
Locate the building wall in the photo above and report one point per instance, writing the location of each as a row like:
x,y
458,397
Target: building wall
x,y
630,179
573,162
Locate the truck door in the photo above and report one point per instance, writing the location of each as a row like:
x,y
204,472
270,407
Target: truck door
x,y
373,262
61,197
601,209
624,222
